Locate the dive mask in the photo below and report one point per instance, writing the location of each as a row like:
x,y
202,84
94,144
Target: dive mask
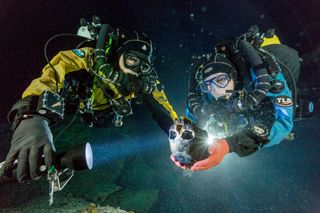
x,y
136,64
221,81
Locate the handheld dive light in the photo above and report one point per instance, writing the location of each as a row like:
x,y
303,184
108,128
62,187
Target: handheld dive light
x,y
60,173
78,158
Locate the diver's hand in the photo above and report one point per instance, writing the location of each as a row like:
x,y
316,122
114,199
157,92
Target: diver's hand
x,y
131,84
234,105
246,101
217,151
134,84
30,141
178,163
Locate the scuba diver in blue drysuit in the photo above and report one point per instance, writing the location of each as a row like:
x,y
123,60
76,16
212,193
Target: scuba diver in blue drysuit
x,y
241,95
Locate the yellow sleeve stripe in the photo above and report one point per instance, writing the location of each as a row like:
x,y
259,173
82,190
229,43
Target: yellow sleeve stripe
x,y
162,99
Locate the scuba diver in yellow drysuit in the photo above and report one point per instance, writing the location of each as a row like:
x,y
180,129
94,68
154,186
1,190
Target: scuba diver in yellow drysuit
x,y
102,82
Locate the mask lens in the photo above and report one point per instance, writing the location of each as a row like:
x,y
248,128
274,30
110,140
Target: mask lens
x,y
145,68
221,80
131,60
172,134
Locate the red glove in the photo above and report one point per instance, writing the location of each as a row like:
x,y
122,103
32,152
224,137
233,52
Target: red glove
x,y
217,151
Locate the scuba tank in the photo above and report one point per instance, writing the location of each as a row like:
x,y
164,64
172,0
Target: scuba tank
x,y
253,38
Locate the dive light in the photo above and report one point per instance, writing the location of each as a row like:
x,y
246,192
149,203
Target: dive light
x,y
78,158
58,175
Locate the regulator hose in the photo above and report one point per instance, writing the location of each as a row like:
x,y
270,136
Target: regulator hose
x,y
101,65
263,77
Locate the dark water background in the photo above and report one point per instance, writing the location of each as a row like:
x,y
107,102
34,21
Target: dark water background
x,y
285,178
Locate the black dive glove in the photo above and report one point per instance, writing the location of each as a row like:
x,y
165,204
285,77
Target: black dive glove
x,y
241,103
31,140
131,84
134,84
234,105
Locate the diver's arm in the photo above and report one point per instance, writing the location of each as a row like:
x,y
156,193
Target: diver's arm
x,y
64,62
278,126
260,69
242,144
263,78
248,142
261,74
161,109
32,136
257,133
283,105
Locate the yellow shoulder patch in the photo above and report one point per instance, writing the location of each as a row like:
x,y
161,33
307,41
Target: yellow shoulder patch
x,y
268,41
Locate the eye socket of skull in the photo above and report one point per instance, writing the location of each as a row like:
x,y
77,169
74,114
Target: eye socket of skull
x,y
187,135
179,127
172,134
